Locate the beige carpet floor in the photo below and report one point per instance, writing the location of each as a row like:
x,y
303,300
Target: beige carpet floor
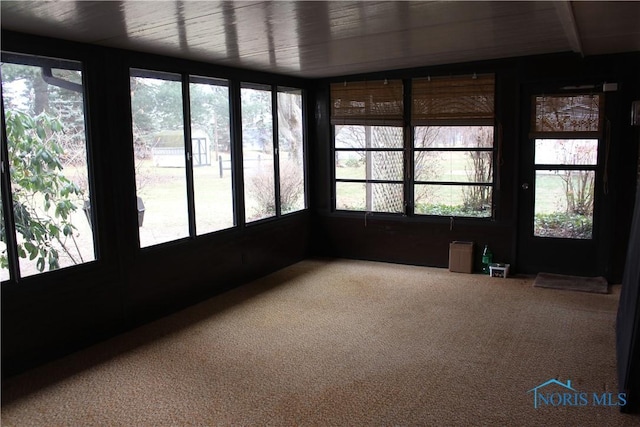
x,y
341,343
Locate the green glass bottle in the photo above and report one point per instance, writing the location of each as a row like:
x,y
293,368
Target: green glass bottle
x,y
487,259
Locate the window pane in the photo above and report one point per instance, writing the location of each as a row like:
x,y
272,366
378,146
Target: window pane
x,y
370,197
210,142
368,137
350,165
4,258
291,154
453,137
444,163
156,105
47,150
453,200
564,204
567,113
566,151
454,166
257,153
351,196
382,165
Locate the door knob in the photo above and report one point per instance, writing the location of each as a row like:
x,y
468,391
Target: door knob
x,y
525,186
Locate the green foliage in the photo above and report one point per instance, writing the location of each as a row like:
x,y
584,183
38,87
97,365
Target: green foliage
x,y
563,225
450,210
42,195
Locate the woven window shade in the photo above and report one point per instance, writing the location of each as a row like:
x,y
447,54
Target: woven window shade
x,y
367,103
458,98
567,113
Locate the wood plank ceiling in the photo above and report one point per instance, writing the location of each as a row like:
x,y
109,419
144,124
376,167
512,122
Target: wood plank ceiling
x,y
329,38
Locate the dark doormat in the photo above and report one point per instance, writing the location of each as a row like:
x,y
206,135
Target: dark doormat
x,y
597,285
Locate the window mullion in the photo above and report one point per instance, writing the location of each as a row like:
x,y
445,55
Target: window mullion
x,y
409,163
186,115
235,116
7,203
276,150
445,149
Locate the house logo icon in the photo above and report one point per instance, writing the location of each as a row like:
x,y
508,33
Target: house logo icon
x,y
536,390
555,393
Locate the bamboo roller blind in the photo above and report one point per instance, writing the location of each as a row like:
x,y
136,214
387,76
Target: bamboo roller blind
x,y
455,98
567,113
376,102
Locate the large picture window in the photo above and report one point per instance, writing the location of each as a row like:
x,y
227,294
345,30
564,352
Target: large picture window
x,y
273,168
184,151
46,181
184,185
450,158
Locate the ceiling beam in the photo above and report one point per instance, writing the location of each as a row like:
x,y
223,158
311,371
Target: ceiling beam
x,y
568,21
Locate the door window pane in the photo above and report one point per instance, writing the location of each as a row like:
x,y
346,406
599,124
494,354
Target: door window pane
x,y
566,151
291,150
257,154
564,204
156,106
568,113
47,159
211,146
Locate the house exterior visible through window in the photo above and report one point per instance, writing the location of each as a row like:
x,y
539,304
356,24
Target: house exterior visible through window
x,y
184,150
46,177
450,157
212,158
160,162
